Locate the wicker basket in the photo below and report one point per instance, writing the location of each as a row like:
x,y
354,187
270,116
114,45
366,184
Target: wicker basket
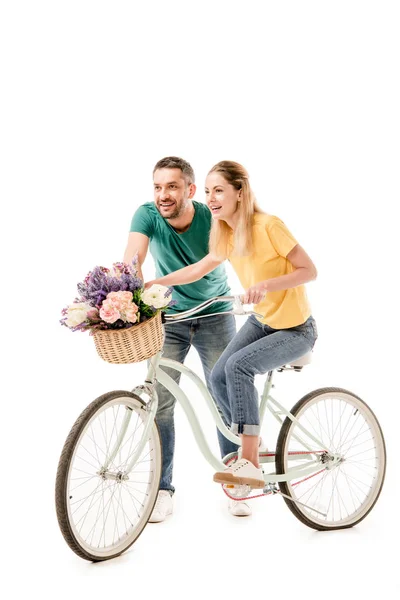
x,y
139,342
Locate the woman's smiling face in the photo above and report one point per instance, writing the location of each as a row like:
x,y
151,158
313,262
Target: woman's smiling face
x,y
222,198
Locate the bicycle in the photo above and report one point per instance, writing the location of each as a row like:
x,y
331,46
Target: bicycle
x,y
330,457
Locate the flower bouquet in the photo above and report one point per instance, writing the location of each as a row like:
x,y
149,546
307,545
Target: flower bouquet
x,y
123,317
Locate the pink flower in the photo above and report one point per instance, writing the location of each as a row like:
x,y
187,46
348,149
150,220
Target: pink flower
x,y
131,314
120,299
109,313
119,305
113,299
133,307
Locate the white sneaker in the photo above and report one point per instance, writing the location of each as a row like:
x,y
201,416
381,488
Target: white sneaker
x,y
162,508
238,508
242,472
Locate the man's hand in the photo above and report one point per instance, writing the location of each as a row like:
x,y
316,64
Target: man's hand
x,y
254,294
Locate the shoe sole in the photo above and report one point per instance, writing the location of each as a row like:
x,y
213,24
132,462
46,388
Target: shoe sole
x,y
240,515
227,478
158,520
155,520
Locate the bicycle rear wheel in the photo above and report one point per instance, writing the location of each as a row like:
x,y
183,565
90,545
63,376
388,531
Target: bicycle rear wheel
x,y
351,457
102,508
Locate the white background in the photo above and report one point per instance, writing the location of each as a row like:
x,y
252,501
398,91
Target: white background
x,y
306,96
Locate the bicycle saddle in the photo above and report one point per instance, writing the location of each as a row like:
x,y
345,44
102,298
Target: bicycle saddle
x,y
302,361
298,364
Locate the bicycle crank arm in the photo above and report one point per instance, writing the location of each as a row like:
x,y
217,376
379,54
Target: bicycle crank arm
x,y
302,504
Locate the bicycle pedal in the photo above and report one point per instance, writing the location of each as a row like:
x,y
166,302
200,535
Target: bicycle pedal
x,y
237,491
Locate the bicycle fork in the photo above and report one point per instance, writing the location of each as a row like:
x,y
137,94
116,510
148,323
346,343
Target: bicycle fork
x,y
150,408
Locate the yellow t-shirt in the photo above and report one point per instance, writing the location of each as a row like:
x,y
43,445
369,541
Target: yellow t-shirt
x,y
272,243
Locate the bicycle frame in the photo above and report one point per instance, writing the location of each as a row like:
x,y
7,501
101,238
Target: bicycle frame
x,y
155,373
103,503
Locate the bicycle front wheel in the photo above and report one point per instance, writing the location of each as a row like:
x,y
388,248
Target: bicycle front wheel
x,y
350,459
102,507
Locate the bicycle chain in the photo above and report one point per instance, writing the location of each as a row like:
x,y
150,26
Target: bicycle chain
x,y
270,492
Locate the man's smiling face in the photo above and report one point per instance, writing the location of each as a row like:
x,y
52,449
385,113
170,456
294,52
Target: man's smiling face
x,y
172,192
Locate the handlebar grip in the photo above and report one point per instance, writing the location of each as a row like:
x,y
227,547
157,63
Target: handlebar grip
x,y
237,309
238,305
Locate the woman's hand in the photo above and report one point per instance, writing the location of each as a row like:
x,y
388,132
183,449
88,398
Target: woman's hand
x,y
254,294
148,284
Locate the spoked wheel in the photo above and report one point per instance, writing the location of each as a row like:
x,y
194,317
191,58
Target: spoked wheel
x,y
349,463
102,507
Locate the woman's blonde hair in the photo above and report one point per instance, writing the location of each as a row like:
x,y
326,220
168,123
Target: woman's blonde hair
x,y
220,235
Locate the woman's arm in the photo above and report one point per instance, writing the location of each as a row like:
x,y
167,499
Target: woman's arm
x,y
305,271
190,273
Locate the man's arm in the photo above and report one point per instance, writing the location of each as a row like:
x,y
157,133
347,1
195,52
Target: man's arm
x,y
137,243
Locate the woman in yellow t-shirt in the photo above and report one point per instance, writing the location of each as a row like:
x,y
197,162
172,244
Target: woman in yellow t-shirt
x,y
273,269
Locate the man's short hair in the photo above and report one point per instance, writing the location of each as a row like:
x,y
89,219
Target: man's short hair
x,y
174,162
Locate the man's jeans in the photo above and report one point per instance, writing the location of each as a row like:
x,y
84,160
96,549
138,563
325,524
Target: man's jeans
x,y
210,336
256,349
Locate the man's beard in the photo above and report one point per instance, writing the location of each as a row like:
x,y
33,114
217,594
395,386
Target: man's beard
x,y
176,213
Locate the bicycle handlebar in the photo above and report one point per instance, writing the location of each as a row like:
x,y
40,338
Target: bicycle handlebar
x,y
237,309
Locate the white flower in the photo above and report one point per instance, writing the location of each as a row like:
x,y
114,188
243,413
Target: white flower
x,y
155,296
77,314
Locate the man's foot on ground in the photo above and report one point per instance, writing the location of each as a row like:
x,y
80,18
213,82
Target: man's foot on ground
x,y
162,507
239,508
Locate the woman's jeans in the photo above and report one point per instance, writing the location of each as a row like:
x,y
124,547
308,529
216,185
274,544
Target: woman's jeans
x,y
210,336
255,349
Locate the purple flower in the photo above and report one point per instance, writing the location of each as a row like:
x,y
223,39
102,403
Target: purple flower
x,y
100,282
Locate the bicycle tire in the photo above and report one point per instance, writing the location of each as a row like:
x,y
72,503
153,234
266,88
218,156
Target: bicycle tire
x,y
353,408
65,467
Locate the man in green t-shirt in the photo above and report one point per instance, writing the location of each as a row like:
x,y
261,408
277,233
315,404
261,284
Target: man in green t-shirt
x,y
177,228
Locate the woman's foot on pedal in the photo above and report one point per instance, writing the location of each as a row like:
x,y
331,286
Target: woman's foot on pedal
x,y
242,472
162,508
262,448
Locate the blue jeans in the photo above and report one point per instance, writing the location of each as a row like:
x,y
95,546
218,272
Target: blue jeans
x,y
256,349
210,336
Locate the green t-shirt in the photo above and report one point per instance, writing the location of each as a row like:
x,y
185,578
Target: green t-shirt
x,y
171,251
